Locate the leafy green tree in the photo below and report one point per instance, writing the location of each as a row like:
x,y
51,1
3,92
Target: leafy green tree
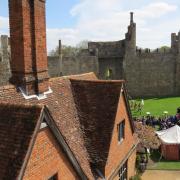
x,y
70,50
164,48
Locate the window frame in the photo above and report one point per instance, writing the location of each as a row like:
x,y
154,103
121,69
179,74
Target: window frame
x,y
123,171
121,131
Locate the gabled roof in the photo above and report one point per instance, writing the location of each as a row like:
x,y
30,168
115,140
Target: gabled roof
x,y
83,108
18,124
170,136
62,109
97,103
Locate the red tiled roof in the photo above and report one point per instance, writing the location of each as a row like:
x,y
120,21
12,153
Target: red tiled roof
x,y
63,110
17,126
84,109
97,111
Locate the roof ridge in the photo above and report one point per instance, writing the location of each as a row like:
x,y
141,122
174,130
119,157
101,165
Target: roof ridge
x,y
22,105
98,80
11,86
71,76
8,86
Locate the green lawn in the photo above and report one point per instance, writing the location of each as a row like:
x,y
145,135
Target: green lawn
x,y
166,165
157,106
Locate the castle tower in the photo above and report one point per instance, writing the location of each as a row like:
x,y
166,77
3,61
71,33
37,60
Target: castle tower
x,y
28,45
5,73
174,43
178,68
131,36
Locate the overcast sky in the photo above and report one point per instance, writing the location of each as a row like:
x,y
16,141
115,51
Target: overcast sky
x,y
106,20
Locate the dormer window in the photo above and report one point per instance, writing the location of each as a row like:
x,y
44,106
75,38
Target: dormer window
x,y
121,131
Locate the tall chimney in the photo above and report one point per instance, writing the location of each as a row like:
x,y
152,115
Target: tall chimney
x,y
60,58
131,17
60,47
28,45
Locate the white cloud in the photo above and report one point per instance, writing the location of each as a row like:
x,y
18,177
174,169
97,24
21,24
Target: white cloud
x,y
159,35
4,25
155,10
105,20
90,8
69,36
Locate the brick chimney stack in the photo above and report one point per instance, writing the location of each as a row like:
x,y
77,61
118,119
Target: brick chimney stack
x,y
28,45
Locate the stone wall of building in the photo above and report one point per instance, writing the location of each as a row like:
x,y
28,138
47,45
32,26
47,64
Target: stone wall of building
x,y
151,74
110,58
53,66
72,65
4,60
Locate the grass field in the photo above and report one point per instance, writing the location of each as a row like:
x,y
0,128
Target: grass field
x,y
157,106
166,165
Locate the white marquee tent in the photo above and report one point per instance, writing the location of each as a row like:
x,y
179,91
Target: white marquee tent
x,y
170,136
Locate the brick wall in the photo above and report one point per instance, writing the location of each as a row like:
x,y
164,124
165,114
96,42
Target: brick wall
x,y
131,165
28,44
118,151
47,159
171,152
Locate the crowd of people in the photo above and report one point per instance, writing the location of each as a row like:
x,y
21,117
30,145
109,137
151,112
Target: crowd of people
x,y
163,122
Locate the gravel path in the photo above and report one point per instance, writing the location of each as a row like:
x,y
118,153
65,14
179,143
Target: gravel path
x,y
161,175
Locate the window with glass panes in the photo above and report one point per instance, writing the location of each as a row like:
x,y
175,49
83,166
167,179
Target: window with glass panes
x,y
123,172
121,127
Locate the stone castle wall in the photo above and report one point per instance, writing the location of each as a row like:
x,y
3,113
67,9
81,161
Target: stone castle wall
x,y
151,74
72,65
148,74
4,60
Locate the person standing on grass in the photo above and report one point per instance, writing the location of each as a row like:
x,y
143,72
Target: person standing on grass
x,y
142,102
178,114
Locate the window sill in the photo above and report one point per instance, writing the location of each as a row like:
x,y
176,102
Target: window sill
x,y
120,142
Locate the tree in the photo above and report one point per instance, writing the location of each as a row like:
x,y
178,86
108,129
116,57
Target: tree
x,y
82,44
70,50
66,51
164,48
147,136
